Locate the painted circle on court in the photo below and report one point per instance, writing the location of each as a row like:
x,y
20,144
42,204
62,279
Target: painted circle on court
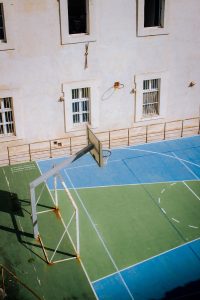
x,y
174,212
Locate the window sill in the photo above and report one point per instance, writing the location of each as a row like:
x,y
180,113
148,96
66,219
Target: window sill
x,y
9,138
143,119
4,46
78,38
149,31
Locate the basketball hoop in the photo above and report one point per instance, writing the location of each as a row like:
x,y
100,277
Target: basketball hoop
x,y
117,85
106,154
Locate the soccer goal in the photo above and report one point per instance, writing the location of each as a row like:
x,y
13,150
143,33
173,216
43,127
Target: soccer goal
x,y
45,201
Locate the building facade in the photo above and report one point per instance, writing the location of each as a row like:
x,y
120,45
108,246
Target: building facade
x,y
112,64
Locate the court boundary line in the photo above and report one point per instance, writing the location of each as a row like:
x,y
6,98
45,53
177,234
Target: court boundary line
x,y
152,152
127,184
100,237
158,153
128,148
191,190
149,143
81,263
188,168
148,259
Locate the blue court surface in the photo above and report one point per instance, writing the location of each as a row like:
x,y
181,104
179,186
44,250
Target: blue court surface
x,y
177,270
136,165
153,278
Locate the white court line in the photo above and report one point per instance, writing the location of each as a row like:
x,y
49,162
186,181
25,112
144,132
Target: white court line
x,y
191,190
126,184
131,149
177,221
148,259
178,158
149,143
193,226
44,211
7,181
159,153
86,274
22,168
100,237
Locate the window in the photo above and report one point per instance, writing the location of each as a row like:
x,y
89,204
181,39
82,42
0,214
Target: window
x,y
153,13
7,23
151,97
2,25
77,16
77,21
152,17
6,117
81,105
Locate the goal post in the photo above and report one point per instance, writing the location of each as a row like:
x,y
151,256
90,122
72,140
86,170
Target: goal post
x,y
37,188
55,174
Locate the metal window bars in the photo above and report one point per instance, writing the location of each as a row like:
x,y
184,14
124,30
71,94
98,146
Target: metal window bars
x,y
6,117
81,106
151,97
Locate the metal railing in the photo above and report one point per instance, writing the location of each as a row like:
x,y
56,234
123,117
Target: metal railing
x,y
110,139
7,285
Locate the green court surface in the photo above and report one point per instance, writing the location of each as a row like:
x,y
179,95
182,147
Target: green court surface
x,y
134,224
22,255
120,226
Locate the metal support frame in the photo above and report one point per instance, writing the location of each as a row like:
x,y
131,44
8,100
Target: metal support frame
x,y
55,173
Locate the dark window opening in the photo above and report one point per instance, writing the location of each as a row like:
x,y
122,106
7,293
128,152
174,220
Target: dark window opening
x,y
153,13
77,15
2,24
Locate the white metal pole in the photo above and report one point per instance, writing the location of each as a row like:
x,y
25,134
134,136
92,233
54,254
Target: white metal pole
x,y
55,190
34,213
77,234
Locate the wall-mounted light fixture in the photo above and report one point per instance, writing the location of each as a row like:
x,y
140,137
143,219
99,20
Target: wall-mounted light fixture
x,y
191,84
61,99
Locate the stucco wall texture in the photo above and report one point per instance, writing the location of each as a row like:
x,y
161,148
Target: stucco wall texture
x,y
36,65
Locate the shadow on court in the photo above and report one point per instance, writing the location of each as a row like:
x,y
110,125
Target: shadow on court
x,y
189,291
15,207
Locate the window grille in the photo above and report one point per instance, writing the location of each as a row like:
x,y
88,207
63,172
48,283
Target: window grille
x,y
2,25
151,97
6,117
81,105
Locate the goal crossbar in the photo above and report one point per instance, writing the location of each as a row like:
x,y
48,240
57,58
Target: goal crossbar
x,y
60,166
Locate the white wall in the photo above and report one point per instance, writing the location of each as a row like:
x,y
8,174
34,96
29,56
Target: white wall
x,y
35,72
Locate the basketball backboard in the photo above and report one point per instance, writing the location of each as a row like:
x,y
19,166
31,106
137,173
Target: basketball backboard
x,y
96,152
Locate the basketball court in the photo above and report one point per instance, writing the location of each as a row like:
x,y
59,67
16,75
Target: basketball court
x,y
129,229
